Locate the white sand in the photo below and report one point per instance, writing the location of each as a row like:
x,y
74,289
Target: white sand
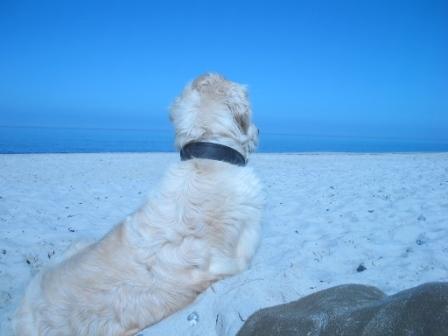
x,y
326,214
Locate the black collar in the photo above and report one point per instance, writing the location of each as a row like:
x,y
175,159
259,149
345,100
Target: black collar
x,y
212,151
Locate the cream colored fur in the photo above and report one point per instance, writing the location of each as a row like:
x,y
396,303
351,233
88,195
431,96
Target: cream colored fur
x,y
200,225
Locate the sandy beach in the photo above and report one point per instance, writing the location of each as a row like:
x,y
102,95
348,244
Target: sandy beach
x,y
376,219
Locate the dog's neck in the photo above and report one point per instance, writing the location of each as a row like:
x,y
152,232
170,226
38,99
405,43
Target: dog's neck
x,y
212,151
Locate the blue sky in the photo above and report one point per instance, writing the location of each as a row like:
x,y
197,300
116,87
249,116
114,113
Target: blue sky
x,y
351,68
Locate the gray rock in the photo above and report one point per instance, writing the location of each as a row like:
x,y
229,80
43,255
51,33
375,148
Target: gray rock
x,y
357,310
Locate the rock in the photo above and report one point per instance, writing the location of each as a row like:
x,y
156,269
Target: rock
x,y
421,218
193,318
361,268
419,242
356,310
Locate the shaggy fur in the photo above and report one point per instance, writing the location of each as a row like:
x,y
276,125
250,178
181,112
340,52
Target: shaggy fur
x,y
201,225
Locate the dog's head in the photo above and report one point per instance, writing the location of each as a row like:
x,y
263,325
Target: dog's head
x,y
214,109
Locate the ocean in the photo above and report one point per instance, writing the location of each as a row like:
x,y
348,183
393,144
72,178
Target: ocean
x,y
94,140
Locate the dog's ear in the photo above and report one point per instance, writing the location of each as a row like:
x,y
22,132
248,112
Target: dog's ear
x,y
243,122
240,114
239,106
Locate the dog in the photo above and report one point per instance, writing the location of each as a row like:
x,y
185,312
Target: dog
x,y
201,225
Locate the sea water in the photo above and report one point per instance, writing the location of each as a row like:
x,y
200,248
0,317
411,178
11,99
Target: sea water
x,y
91,140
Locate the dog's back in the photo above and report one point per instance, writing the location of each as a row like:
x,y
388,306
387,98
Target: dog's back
x,y
201,225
